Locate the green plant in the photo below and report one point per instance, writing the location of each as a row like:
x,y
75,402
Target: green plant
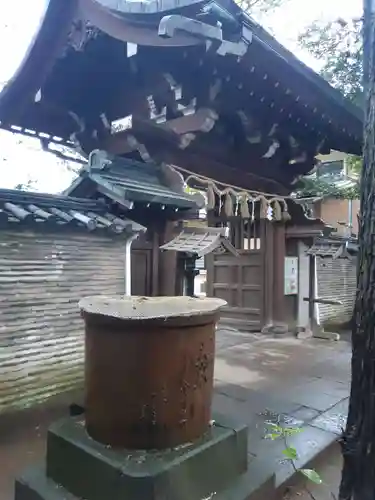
x,y
277,431
290,453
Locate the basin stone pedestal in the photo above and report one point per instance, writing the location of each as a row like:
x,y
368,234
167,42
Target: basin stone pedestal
x,y
147,431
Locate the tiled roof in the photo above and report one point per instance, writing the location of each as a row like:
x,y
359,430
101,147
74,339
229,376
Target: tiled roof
x,y
134,181
334,248
22,209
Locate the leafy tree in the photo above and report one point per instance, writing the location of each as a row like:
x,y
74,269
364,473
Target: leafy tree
x,y
339,46
26,186
310,187
354,165
259,6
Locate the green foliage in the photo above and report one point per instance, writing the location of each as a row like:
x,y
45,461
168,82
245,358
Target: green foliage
x,y
355,165
290,453
339,46
311,187
259,6
26,186
312,475
277,431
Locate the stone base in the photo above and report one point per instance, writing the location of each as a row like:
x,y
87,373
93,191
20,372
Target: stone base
x,y
35,485
276,329
321,334
86,469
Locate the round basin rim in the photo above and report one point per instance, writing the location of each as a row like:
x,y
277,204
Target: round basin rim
x,y
144,308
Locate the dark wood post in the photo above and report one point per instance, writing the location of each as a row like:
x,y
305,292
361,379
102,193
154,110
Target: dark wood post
x,y
279,272
268,255
190,273
312,319
168,264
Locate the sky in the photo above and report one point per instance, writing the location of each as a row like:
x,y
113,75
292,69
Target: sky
x,y
21,159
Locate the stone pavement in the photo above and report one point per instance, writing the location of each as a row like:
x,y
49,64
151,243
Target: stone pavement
x,y
301,383
257,379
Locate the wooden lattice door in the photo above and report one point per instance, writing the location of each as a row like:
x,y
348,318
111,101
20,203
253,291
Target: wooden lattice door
x,y
240,280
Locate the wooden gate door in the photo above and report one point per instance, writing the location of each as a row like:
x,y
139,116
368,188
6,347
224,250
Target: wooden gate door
x,y
240,280
142,267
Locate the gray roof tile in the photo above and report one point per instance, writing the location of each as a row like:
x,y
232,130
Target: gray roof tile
x,y
23,209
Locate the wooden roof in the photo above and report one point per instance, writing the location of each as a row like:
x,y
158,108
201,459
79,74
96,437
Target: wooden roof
x,y
334,247
205,86
127,181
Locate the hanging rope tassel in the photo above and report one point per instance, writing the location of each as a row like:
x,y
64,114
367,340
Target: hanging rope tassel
x,y
285,215
228,205
211,201
277,214
244,206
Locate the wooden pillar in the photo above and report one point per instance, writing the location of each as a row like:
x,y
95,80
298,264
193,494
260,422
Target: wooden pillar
x,y
312,295
268,256
278,272
155,263
167,264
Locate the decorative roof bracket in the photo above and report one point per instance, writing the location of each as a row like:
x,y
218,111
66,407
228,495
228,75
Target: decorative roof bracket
x,y
98,160
169,26
146,7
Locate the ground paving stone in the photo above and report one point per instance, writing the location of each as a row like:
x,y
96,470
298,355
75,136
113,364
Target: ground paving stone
x,y
334,419
256,379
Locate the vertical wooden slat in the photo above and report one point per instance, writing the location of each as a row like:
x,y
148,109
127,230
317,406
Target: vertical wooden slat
x,y
155,263
267,249
279,272
210,267
167,264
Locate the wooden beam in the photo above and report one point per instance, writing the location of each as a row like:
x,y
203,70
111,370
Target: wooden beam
x,y
220,172
163,147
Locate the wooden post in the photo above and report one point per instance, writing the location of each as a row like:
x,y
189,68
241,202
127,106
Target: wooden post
x,y
167,264
315,330
279,245
190,274
155,284
312,319
268,255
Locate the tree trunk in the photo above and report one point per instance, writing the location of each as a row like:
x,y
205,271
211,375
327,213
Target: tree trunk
x,y
358,475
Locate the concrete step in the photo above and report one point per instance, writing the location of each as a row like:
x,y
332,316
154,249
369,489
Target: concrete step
x,y
35,485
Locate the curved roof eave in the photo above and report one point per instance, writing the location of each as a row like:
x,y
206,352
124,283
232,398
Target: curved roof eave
x,y
52,36
39,59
